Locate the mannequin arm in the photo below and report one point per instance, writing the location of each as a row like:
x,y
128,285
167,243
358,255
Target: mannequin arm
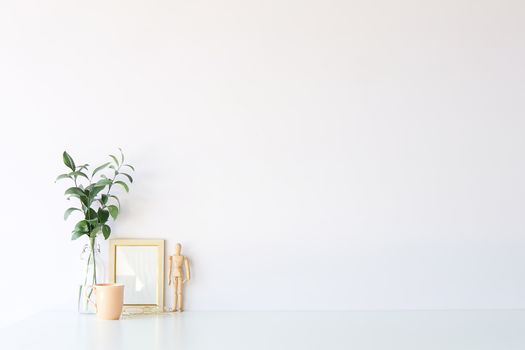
x,y
187,266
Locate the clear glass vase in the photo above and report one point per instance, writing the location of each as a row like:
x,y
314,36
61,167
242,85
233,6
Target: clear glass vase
x,y
92,272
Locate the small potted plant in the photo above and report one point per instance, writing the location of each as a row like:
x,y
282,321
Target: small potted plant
x,y
94,199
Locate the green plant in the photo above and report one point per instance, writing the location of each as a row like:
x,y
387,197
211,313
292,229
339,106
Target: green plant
x,y
96,201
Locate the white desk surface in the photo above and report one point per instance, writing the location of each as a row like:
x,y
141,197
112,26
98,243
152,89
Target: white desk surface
x,y
392,330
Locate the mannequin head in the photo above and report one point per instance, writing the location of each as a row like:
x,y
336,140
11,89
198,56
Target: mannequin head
x,y
178,248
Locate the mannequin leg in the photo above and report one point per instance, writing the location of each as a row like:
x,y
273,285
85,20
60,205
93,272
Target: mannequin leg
x,y
179,294
175,288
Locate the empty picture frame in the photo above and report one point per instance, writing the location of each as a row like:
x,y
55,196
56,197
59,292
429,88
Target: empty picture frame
x,y
139,265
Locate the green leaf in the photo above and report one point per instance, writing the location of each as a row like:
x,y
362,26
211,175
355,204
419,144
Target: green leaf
x,y
113,211
106,231
104,199
95,230
91,214
82,226
103,182
78,173
63,176
96,190
121,156
100,168
115,159
116,198
123,184
103,215
77,234
85,201
69,211
129,166
68,161
75,191
128,176
83,167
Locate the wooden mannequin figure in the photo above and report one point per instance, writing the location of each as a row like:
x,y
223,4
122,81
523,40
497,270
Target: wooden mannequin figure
x,y
176,276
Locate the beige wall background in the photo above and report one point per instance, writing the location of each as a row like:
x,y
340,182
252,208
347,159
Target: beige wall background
x,y
310,155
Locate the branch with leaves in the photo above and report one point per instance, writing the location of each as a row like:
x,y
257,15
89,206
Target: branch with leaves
x,y
96,200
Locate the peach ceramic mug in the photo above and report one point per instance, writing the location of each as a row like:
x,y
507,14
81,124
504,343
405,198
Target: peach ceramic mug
x,y
109,300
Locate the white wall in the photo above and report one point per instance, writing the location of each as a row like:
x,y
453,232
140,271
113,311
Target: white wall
x,y
322,155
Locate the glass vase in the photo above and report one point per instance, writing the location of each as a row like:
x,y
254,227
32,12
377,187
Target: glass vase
x,y
92,272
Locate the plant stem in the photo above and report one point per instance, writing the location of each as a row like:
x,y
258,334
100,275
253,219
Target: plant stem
x,y
87,269
114,177
94,280
93,241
